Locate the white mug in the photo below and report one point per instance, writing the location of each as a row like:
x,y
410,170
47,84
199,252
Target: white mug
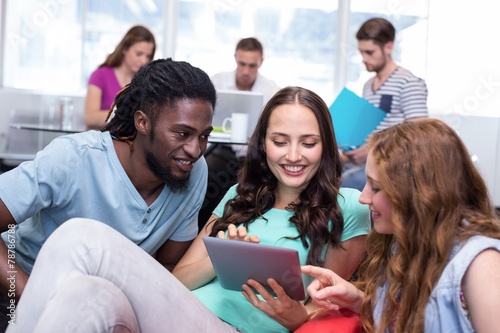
x,y
238,128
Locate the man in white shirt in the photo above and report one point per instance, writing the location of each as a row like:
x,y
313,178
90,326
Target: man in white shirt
x,y
224,161
249,55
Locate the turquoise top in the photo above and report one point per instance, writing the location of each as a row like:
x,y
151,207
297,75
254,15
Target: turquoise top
x,y
231,306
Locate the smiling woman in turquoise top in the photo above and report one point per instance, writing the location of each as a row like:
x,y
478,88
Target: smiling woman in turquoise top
x,y
287,195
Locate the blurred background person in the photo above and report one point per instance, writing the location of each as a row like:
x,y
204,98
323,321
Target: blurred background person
x,y
249,55
135,49
225,160
393,89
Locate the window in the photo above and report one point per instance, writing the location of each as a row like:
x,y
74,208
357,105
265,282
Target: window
x,y
42,47
410,21
107,21
298,38
302,39
54,45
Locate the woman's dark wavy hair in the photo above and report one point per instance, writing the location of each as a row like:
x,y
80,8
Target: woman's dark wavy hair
x,y
317,202
158,85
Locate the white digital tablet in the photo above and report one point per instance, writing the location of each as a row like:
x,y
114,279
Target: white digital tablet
x,y
235,262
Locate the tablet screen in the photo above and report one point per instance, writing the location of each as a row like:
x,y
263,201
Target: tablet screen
x,y
235,262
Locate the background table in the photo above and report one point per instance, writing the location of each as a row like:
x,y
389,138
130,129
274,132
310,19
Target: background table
x,y
214,142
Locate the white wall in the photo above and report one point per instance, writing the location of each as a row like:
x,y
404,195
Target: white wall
x,y
463,77
481,135
463,67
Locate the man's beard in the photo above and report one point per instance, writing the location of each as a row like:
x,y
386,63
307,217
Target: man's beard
x,y
175,184
380,65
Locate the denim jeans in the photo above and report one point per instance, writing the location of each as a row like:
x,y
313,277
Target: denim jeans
x,y
353,176
90,278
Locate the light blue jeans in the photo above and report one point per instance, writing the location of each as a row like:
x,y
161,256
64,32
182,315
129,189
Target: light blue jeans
x,y
353,176
89,278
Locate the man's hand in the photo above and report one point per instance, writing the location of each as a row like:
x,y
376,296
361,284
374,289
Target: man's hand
x,y
357,156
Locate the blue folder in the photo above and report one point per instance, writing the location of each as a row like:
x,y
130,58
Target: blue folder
x,y
354,118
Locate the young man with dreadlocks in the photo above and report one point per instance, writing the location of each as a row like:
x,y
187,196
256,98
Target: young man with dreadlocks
x,y
144,174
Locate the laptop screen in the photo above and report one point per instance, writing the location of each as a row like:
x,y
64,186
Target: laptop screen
x,y
229,101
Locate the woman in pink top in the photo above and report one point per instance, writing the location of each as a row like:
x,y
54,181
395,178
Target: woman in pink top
x,y
135,50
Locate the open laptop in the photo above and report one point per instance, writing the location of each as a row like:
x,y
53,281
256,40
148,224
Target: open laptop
x,y
235,262
229,101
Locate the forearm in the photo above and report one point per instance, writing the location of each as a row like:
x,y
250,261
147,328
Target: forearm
x,y
196,274
344,260
12,278
95,118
